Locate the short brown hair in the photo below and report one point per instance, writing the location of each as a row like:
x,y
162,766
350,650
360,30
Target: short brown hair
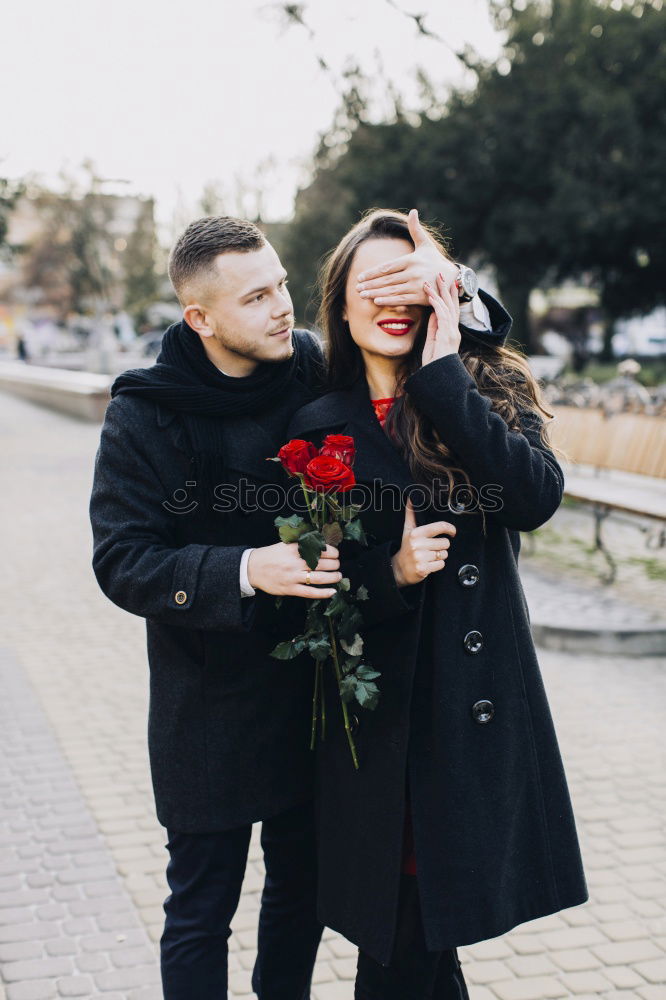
x,y
203,241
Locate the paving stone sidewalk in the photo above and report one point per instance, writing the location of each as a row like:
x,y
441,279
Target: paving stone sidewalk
x,y
74,776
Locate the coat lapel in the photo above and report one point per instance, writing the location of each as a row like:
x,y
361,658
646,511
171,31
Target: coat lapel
x,y
376,457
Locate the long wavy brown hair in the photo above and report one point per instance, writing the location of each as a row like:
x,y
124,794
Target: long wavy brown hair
x,y
501,373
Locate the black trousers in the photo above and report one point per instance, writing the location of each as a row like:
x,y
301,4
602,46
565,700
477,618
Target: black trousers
x,y
414,973
205,875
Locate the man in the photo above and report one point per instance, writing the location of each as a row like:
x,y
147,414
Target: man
x,y
182,509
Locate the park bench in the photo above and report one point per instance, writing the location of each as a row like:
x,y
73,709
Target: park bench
x,y
617,465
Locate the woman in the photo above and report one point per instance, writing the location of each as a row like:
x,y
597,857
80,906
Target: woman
x,y
458,825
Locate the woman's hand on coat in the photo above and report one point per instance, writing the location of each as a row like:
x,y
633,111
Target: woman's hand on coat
x,y
423,551
443,331
401,281
279,569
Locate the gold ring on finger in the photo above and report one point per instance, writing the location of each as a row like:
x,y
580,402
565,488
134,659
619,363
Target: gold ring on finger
x,y
307,579
440,554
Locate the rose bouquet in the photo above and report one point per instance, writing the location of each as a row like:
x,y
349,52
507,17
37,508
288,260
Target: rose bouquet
x,y
332,626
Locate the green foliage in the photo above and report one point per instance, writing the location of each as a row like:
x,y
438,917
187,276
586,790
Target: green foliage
x,y
289,650
311,544
79,261
333,533
333,626
291,528
549,168
361,686
10,192
139,263
354,531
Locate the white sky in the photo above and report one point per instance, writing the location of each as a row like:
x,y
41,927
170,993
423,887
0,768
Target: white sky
x,y
171,95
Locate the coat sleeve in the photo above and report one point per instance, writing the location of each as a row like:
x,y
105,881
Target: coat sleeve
x,y
372,568
515,468
135,560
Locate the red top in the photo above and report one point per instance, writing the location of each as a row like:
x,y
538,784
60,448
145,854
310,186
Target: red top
x,y
382,407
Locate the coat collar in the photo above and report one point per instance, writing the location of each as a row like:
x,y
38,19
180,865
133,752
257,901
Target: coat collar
x,y
350,411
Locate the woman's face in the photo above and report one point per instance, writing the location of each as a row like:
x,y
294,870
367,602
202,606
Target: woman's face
x,y
387,331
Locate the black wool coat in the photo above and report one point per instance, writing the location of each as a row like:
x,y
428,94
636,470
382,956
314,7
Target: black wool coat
x,y
228,727
463,715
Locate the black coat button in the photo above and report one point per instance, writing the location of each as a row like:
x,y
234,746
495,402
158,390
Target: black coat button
x,y
483,711
473,641
468,575
458,506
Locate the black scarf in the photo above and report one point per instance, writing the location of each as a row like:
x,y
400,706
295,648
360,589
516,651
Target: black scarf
x,y
184,379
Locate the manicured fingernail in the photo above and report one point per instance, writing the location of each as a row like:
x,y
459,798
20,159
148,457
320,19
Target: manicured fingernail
x,y
365,295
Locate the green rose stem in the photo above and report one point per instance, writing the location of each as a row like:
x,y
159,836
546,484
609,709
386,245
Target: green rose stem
x,y
315,703
318,696
338,675
320,668
314,511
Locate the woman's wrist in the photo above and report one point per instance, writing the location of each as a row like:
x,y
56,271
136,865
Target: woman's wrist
x,y
397,572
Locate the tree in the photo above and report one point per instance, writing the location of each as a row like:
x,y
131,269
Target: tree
x,y
548,168
68,263
10,192
90,251
139,263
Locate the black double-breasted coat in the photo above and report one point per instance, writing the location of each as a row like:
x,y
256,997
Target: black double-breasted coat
x,y
463,717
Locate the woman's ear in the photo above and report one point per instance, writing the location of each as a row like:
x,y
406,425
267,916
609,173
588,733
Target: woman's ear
x,y
344,315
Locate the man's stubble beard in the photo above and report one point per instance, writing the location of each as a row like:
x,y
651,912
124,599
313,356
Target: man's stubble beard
x,y
250,352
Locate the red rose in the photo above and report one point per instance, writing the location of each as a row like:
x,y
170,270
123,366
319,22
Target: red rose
x,y
295,455
339,446
325,473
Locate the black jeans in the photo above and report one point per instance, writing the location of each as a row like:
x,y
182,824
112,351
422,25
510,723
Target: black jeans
x,y
414,973
205,875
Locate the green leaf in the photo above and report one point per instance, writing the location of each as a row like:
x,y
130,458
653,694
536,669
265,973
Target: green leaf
x,y
354,532
291,528
336,605
314,619
362,593
354,648
350,623
290,649
350,663
367,694
319,648
366,673
349,512
333,533
311,545
348,689
345,584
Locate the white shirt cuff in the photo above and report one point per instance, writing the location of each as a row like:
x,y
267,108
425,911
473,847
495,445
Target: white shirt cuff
x,y
475,315
246,588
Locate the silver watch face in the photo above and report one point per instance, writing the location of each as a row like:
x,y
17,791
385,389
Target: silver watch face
x,y
469,281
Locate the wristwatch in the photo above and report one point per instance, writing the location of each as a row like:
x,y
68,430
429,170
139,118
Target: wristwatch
x,y
468,283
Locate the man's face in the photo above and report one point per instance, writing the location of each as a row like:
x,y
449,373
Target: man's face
x,y
246,312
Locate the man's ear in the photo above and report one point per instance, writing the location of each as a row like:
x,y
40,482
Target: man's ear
x,y
196,317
